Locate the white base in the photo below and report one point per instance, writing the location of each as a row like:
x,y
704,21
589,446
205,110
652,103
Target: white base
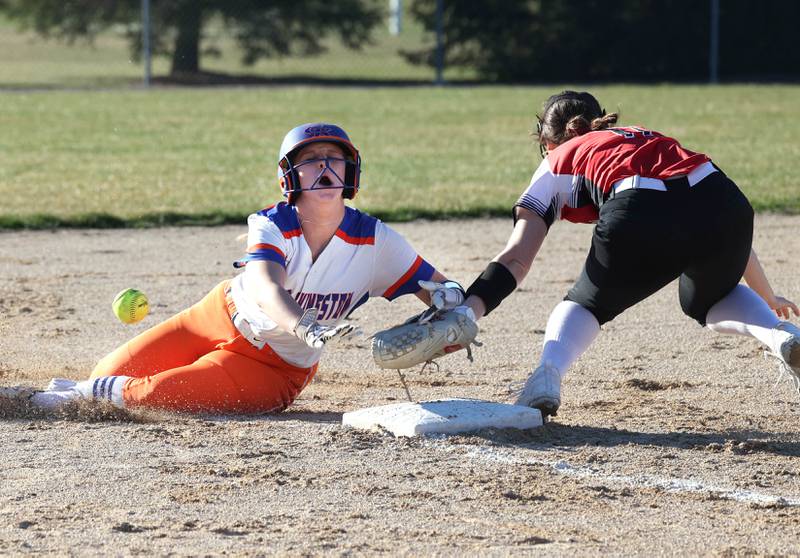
x,y
443,416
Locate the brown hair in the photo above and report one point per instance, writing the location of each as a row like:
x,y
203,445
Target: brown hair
x,y
570,114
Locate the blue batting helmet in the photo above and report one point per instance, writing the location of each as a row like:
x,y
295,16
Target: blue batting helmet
x,y
299,137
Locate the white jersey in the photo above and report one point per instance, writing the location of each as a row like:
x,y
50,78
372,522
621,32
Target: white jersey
x,y
365,258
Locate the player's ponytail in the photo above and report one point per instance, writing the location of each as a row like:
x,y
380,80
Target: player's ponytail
x,y
570,114
577,126
605,121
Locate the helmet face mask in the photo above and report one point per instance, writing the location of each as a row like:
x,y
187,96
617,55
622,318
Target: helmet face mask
x,y
325,166
306,134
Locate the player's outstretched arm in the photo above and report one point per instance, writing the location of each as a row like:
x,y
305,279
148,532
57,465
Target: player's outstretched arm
x,y
264,282
757,280
510,267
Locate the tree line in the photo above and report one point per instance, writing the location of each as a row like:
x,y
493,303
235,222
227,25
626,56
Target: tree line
x,y
521,41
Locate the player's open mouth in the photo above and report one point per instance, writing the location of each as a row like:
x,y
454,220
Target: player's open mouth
x,y
325,182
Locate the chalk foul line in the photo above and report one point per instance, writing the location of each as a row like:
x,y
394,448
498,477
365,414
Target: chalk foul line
x,y
667,484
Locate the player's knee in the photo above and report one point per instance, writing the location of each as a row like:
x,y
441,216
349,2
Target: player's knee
x,y
602,315
695,309
112,364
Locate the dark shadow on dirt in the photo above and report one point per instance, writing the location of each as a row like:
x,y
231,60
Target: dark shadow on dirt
x,y
324,417
320,417
554,435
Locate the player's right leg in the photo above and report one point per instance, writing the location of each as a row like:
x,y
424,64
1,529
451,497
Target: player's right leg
x,y
634,253
571,329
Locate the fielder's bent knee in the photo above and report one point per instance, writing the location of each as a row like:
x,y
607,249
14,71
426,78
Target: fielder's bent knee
x,y
601,316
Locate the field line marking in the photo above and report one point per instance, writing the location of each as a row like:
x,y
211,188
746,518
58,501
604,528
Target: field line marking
x,y
668,484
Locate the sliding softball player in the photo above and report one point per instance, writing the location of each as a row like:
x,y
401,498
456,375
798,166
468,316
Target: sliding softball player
x,y
254,342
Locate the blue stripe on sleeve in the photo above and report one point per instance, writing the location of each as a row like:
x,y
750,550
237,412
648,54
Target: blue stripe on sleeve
x,y
260,255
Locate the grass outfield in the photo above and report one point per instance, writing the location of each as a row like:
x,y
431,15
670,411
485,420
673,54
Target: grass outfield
x,y
208,155
132,157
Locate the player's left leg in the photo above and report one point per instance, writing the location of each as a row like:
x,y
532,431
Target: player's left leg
x,y
743,312
219,382
222,381
175,342
709,288
723,222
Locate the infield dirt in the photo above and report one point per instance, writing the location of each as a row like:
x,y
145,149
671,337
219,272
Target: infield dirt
x,y
671,439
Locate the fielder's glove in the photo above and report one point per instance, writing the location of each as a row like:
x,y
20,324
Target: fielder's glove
x,y
416,342
316,335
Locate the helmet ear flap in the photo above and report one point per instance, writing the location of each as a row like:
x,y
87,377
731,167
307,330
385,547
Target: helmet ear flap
x,y
352,175
288,180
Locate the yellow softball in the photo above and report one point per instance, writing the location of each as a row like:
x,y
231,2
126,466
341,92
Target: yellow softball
x,y
130,306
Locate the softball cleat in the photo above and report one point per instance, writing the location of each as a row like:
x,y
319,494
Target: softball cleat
x,y
787,350
542,390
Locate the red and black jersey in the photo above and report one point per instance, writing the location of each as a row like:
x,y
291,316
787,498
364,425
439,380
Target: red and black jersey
x,y
576,178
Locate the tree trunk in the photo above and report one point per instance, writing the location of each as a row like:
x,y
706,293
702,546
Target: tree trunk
x,y
186,55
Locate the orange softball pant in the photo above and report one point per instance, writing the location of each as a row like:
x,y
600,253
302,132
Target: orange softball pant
x,y
197,361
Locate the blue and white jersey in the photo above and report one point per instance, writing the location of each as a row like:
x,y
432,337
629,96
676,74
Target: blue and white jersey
x,y
365,258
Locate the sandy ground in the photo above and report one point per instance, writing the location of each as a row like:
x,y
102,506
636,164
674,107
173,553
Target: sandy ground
x,y
671,439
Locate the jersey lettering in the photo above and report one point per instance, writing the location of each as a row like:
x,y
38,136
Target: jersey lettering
x,y
631,132
331,306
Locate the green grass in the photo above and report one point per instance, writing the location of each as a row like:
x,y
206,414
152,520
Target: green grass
x,y
171,156
107,154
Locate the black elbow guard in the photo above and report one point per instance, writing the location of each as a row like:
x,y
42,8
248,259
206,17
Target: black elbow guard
x,y
493,285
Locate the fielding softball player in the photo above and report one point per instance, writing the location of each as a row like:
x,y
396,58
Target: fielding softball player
x,y
253,343
662,213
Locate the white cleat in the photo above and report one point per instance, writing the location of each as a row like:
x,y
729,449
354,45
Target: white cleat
x,y
50,400
58,392
44,399
787,350
61,390
60,384
542,390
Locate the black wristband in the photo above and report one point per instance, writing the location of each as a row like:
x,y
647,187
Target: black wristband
x,y
493,285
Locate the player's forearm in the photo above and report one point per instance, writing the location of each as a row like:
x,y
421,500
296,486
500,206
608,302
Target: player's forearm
x,y
523,245
279,306
756,278
517,269
505,272
263,283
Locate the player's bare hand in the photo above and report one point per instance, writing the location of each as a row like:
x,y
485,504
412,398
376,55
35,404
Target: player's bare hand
x,y
784,307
